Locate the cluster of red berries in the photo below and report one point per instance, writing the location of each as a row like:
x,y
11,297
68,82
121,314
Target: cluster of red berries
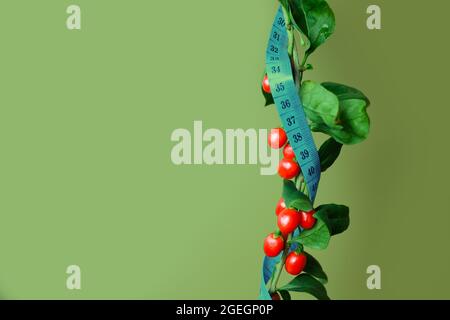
x,y
288,167
288,221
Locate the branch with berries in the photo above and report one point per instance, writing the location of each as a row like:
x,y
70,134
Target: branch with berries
x,y
334,109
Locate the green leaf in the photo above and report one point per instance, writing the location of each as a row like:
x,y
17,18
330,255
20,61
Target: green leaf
x,y
336,217
328,153
343,117
285,295
294,198
353,120
315,238
306,283
314,268
344,92
320,105
315,19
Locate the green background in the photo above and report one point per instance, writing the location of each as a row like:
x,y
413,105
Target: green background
x,y
85,170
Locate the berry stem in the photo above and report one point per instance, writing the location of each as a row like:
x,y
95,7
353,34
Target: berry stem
x,y
278,269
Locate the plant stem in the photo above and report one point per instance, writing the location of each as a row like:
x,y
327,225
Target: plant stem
x,y
306,191
305,59
296,67
289,28
291,43
299,182
302,66
278,269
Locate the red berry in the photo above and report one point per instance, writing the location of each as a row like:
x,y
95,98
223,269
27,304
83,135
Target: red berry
x,y
281,205
288,221
288,169
273,245
295,263
266,84
277,138
288,152
307,220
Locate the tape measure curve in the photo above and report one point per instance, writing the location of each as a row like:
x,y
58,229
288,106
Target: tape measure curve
x,y
293,119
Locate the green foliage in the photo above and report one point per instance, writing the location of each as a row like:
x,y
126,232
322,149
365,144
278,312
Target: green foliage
x,y
336,110
315,238
344,92
294,198
353,120
315,19
320,105
307,283
328,153
336,217
285,295
314,268
332,219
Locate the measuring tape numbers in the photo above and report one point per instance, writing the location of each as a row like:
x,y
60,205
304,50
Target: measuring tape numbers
x,y
293,119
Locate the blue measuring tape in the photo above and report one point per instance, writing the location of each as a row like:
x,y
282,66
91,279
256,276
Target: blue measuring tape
x,y
293,119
